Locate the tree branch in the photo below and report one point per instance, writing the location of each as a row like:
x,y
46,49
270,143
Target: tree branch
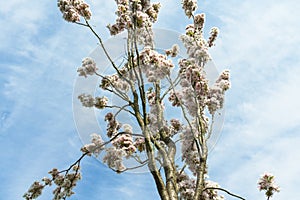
x,y
215,188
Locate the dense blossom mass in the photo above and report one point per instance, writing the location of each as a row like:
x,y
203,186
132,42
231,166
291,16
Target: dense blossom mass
x,y
151,137
73,9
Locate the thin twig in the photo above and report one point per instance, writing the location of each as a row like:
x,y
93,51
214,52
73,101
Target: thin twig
x,y
215,188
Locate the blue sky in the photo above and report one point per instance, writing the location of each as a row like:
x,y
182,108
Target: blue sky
x,y
259,43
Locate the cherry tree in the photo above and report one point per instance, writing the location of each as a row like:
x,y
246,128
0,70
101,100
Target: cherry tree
x,y
138,83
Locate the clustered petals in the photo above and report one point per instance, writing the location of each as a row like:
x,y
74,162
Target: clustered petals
x,y
267,184
72,10
88,67
95,147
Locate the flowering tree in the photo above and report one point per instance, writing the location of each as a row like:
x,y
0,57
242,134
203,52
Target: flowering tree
x,y
138,83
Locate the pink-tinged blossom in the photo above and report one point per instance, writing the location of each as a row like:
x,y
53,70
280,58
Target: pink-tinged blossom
x,y
113,125
114,81
139,143
87,100
155,66
267,184
96,145
114,158
194,86
211,194
73,9
189,151
216,94
189,6
125,142
215,99
88,67
151,96
175,98
137,14
197,48
186,186
175,126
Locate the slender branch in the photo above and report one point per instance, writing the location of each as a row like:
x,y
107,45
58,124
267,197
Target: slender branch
x,y
175,83
81,24
215,188
121,108
130,168
117,92
103,47
103,144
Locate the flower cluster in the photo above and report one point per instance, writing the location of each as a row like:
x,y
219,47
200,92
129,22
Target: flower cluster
x,y
138,14
199,20
87,100
267,183
155,66
34,191
189,6
95,147
114,158
151,96
173,51
113,125
216,94
175,98
175,127
194,87
213,35
209,193
73,9
139,143
64,184
101,102
189,151
196,45
186,186
114,81
88,67
124,141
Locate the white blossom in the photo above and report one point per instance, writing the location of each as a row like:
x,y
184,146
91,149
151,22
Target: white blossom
x,y
96,145
88,67
73,9
114,158
87,100
101,102
189,6
173,51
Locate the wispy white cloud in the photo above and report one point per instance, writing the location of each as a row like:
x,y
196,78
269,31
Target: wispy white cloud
x,y
259,43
